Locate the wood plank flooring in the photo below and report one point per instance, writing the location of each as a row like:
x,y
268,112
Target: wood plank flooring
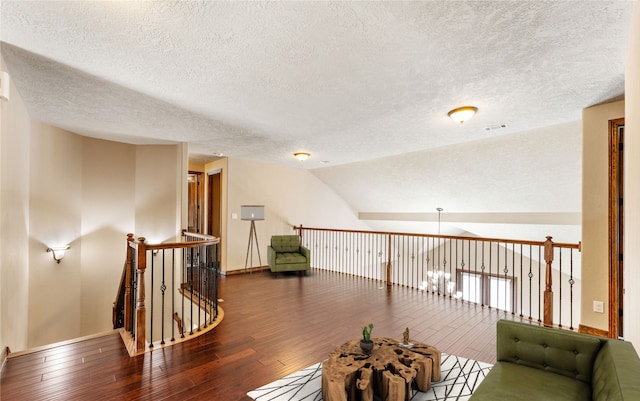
x,y
272,327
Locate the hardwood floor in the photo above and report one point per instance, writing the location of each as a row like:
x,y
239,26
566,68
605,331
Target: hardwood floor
x,y
272,327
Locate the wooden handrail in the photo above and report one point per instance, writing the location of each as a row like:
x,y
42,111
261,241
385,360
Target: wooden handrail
x,y
206,240
186,233
452,237
548,246
180,245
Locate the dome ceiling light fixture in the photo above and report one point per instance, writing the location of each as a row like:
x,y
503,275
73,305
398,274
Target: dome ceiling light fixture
x,y
462,114
302,156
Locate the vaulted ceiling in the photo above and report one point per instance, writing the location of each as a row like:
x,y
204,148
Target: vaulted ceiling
x,y
365,87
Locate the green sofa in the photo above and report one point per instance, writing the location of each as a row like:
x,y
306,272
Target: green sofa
x,y
286,254
542,363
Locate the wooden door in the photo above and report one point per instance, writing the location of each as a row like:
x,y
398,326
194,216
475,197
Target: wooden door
x,y
214,202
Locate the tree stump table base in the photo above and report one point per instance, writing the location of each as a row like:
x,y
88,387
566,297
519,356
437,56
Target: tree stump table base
x,y
388,371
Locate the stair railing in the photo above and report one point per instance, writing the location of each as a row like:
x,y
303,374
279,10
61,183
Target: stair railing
x,y
534,280
182,281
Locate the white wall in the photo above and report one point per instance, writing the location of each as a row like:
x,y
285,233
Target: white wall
x,y
290,197
15,126
632,184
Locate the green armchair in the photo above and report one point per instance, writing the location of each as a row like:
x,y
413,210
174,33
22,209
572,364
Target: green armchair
x,y
541,363
285,254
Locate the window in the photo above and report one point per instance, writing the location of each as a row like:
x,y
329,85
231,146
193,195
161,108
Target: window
x,y
494,291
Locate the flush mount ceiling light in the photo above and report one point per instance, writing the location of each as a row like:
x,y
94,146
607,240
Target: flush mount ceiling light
x,y
302,156
462,114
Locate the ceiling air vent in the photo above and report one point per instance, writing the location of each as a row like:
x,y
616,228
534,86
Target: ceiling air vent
x,y
495,127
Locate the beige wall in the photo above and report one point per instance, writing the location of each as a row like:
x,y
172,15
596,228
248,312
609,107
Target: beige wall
x,y
595,211
632,184
159,180
15,126
161,174
61,188
90,193
290,197
108,185
55,210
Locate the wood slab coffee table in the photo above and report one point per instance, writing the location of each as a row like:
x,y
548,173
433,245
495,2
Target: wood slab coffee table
x,y
388,370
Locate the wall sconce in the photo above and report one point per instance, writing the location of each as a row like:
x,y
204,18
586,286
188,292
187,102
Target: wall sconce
x,y
58,252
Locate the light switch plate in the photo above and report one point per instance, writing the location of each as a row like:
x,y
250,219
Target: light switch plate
x,y
598,306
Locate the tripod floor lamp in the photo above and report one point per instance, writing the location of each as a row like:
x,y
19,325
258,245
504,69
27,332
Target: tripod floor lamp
x,y
252,213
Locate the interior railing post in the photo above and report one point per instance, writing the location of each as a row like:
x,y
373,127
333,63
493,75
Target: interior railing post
x,y
141,310
548,291
127,289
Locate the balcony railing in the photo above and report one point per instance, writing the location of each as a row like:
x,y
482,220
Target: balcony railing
x,y
181,279
536,280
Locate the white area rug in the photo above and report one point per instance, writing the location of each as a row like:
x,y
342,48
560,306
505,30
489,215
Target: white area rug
x,y
459,377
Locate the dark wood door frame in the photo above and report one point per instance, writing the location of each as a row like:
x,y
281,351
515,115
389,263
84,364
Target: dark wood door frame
x,y
214,204
616,226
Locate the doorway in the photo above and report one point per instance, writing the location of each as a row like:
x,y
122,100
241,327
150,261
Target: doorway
x,y
616,228
194,213
214,204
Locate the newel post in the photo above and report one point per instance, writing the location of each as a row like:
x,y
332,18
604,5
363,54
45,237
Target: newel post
x,y
389,261
300,233
128,318
548,290
141,310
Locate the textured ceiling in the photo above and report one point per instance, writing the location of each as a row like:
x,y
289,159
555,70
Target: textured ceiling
x,y
348,82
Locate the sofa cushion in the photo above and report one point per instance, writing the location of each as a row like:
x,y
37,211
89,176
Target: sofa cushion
x,y
289,257
615,372
551,350
508,381
285,243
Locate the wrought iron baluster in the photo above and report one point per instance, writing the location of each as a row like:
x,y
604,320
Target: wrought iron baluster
x,y
560,287
571,283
